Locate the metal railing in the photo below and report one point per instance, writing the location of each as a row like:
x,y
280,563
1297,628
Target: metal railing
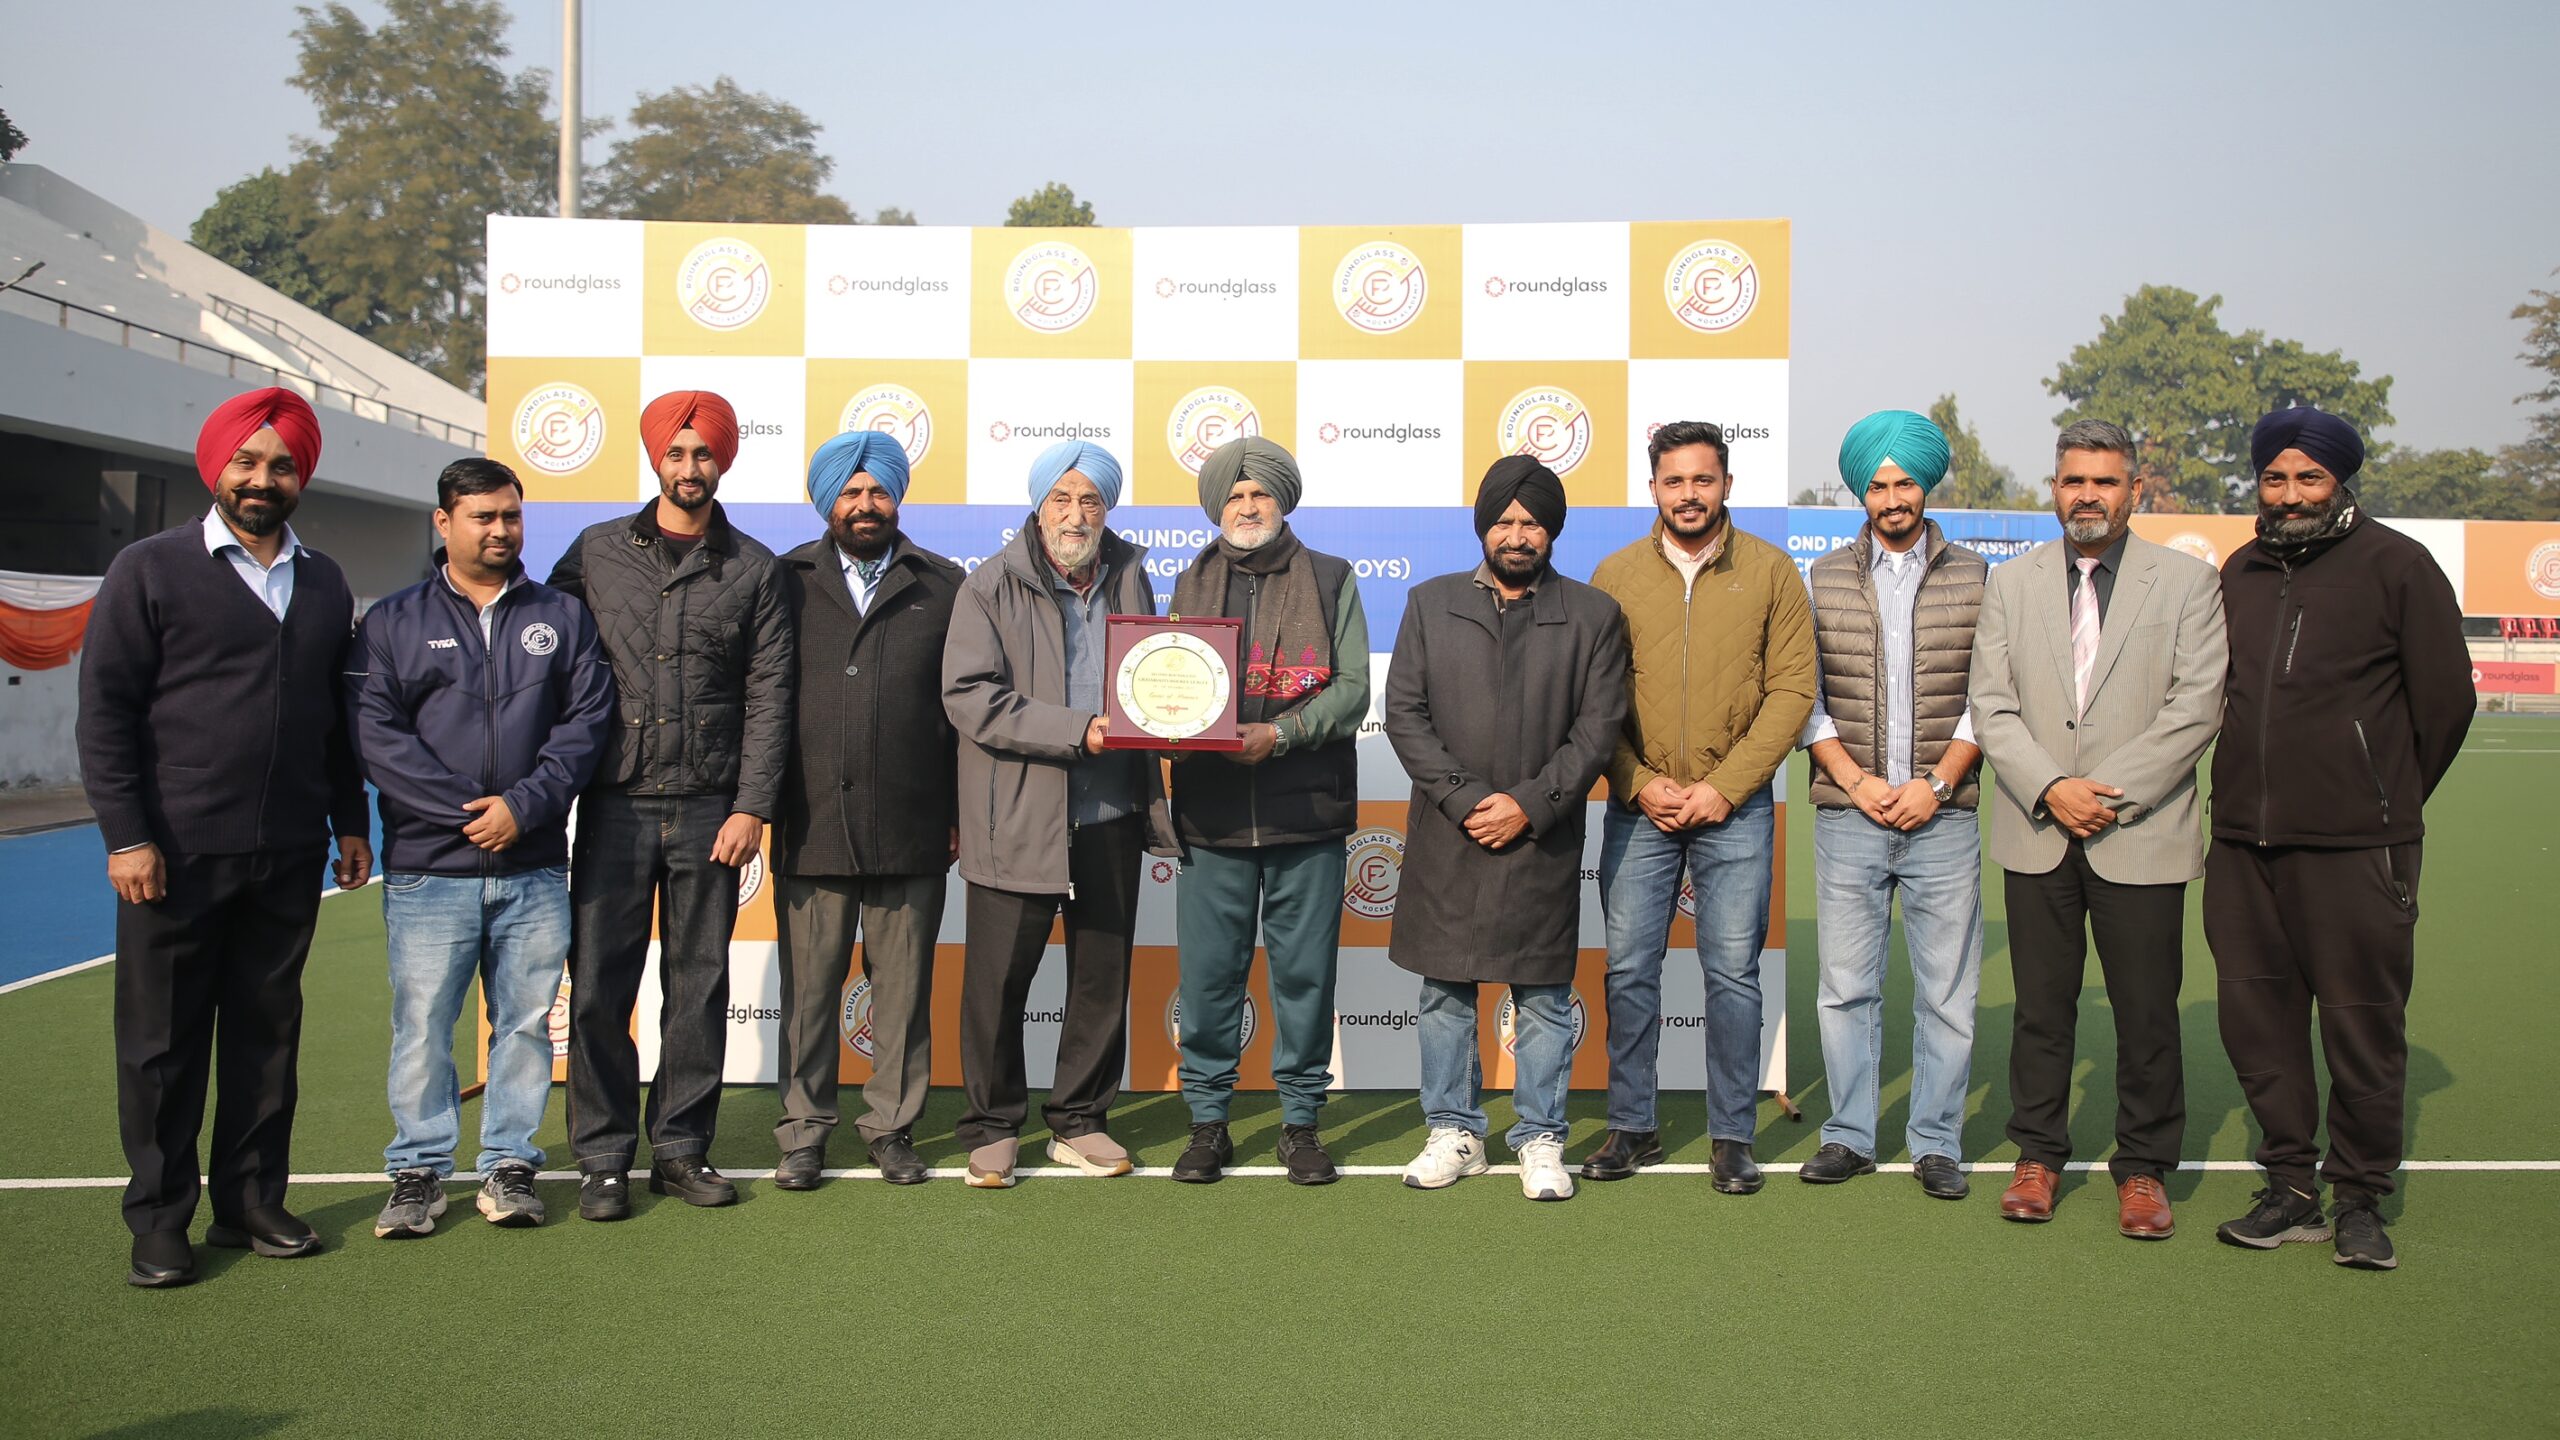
x,y
224,307
198,355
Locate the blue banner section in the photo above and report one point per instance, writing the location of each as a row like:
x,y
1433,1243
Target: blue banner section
x,y
1814,531
1390,550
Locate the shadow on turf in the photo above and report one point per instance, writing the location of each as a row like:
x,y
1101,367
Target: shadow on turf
x,y
212,1423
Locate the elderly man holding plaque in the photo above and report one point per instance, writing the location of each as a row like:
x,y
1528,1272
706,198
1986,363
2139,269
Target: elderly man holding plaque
x,y
1262,827
1052,821
1503,702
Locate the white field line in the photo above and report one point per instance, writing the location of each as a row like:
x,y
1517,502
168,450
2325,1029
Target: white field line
x,y
1274,1172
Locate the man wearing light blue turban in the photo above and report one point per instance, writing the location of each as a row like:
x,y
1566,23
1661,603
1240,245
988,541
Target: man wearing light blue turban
x,y
868,810
1894,799
1058,820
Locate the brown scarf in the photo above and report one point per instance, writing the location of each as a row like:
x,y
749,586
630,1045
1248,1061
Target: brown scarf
x,y
1289,656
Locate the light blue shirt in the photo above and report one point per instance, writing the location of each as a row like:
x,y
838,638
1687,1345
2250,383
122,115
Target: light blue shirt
x,y
272,584
1897,583
858,585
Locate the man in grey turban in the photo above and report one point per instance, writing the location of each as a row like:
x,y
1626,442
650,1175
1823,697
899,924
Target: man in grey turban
x,y
1262,828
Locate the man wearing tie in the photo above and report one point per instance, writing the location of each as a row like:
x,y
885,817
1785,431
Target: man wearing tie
x,y
2097,684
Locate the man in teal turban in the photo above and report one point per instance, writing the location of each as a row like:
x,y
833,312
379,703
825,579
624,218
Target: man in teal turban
x,y
1894,796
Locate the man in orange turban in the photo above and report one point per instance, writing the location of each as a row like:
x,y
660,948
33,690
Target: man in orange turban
x,y
695,621
216,757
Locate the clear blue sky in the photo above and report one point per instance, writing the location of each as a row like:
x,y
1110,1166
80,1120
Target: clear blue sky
x,y
1972,185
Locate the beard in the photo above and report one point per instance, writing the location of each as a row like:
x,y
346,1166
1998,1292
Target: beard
x,y
1249,534
495,555
2088,526
1071,552
2292,525
865,535
1689,521
1897,522
675,493
259,510
1515,564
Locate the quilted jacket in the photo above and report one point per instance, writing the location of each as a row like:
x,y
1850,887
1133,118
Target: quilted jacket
x,y
1720,678
702,657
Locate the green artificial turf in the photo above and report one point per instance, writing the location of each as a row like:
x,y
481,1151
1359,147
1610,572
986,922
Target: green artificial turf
x,y
1252,1307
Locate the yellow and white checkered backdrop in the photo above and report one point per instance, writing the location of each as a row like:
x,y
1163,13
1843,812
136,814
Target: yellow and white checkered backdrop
x,y
1396,362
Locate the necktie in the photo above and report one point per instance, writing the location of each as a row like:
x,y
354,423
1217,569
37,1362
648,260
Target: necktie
x,y
2084,629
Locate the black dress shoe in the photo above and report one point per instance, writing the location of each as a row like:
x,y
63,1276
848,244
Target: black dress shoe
x,y
270,1230
896,1156
162,1260
1941,1177
1622,1153
1302,1150
604,1195
1205,1159
1732,1168
1834,1163
799,1169
690,1179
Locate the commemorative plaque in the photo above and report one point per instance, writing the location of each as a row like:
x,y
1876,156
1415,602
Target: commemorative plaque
x,y
1170,683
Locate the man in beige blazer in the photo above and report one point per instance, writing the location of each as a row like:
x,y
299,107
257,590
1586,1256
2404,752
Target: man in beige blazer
x,y
2097,684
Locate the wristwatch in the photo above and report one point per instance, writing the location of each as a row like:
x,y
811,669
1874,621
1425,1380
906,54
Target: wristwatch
x,y
1940,788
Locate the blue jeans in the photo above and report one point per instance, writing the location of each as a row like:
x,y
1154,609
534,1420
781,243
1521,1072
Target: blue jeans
x,y
1541,1058
1857,867
1729,869
513,932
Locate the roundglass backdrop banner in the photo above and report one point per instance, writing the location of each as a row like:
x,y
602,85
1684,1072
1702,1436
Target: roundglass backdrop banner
x,y
1395,361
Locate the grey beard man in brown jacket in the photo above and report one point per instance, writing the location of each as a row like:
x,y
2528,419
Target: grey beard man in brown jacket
x,y
1051,822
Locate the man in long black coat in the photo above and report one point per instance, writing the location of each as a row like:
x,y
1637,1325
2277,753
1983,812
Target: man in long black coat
x,y
1504,699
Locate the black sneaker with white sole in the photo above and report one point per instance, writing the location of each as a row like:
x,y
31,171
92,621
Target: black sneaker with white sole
x,y
1303,1152
417,1198
2282,1216
2361,1243
507,1198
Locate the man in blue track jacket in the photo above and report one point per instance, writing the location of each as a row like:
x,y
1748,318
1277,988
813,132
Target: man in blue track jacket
x,y
481,702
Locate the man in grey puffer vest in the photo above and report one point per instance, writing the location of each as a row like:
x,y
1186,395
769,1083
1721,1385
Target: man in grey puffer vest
x,y
1894,793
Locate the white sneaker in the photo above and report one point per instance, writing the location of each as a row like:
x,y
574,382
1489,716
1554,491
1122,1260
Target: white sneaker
x,y
1449,1156
1542,1172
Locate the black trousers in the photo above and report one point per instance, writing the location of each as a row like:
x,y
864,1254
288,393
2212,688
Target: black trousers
x,y
1008,933
220,956
2141,933
637,854
2291,928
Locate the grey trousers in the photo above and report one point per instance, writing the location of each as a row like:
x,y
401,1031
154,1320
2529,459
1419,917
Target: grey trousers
x,y
817,919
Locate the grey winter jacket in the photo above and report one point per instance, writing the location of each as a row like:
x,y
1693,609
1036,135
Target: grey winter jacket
x,y
1004,685
702,656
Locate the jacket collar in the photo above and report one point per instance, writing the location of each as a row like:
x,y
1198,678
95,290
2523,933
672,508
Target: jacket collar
x,y
1721,537
716,534
825,566
1933,544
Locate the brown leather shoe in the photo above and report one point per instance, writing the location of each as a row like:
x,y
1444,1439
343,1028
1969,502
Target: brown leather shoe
x,y
2142,1209
2030,1193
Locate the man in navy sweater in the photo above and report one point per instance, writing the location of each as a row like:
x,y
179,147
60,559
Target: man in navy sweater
x,y
216,759
481,701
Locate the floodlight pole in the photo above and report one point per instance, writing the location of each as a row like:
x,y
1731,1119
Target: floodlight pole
x,y
569,125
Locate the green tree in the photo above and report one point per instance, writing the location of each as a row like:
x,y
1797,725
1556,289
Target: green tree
x,y
1051,204
1973,482
427,137
2534,463
257,227
723,154
2189,391
12,139
894,216
2438,485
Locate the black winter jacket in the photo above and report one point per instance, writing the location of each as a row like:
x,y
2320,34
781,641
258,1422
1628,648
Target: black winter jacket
x,y
2349,691
871,788
701,652
441,718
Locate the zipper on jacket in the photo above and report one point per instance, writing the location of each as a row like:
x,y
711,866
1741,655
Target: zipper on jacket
x,y
2373,770
489,717
2266,710
2293,637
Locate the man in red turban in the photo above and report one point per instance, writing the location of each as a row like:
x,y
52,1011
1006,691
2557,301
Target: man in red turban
x,y
696,623
211,685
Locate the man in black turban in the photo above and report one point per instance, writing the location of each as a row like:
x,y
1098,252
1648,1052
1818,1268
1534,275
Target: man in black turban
x,y
1503,703
2348,695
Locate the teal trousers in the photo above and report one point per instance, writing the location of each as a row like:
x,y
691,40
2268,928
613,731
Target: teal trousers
x,y
1295,891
